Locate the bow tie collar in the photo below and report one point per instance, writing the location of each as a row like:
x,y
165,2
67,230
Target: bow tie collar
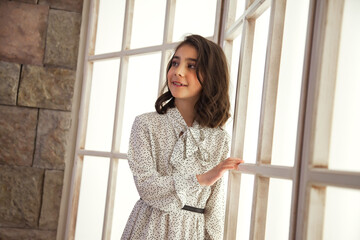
x,y
191,144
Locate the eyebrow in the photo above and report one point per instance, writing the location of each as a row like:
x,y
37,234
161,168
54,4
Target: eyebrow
x,y
191,59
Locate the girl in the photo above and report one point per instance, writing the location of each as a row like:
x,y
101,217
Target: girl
x,y
178,153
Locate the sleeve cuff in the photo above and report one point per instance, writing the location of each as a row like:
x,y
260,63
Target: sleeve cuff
x,y
183,184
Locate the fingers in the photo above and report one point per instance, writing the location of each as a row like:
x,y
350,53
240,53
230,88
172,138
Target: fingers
x,y
231,163
235,160
229,166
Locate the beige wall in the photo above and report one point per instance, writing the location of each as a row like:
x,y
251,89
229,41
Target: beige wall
x,y
38,54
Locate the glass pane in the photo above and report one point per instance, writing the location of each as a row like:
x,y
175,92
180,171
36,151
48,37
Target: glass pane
x,y
194,17
102,105
290,76
234,68
141,91
345,132
148,23
125,198
278,210
256,87
240,7
110,26
167,58
92,198
245,206
342,214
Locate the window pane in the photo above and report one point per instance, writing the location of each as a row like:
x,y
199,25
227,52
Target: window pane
x,y
110,26
148,23
290,76
125,198
278,210
194,17
102,105
342,214
234,68
345,132
141,91
240,7
92,198
245,206
256,87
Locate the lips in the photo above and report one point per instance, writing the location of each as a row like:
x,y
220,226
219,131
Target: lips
x,y
178,84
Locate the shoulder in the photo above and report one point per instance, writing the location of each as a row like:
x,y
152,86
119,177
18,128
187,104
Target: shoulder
x,y
149,119
218,133
218,140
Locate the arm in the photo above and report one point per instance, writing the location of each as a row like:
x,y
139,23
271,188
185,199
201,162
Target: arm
x,y
167,193
215,206
215,212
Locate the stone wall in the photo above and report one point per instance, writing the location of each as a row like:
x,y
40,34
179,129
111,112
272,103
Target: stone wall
x,y
38,54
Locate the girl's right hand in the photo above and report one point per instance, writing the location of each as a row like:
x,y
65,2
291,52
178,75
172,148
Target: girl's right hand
x,y
211,176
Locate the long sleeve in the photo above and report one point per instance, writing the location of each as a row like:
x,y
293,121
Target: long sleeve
x,y
167,193
215,206
215,212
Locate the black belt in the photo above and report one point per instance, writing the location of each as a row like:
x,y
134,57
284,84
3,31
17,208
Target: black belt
x,y
192,209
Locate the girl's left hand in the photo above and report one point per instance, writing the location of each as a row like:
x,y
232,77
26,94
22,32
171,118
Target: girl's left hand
x,y
211,176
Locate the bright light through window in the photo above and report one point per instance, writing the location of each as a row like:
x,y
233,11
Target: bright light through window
x,y
141,91
345,132
256,87
289,85
111,13
194,17
102,105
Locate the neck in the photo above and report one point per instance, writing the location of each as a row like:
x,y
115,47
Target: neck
x,y
186,110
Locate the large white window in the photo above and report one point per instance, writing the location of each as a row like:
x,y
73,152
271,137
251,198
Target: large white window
x,y
295,83
296,119
127,49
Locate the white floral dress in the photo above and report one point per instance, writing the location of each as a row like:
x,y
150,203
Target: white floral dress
x,y
164,156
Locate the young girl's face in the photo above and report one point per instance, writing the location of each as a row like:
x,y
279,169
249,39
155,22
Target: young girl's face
x,y
182,80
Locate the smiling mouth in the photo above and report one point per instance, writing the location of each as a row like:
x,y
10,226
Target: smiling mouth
x,y
178,84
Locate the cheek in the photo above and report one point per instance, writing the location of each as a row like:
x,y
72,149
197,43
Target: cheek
x,y
196,81
168,75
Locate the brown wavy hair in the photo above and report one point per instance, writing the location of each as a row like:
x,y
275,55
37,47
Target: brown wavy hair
x,y
212,108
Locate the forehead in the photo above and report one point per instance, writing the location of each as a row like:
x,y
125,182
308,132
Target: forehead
x,y
186,51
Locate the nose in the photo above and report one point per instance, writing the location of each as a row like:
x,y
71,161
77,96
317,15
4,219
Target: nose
x,y
180,71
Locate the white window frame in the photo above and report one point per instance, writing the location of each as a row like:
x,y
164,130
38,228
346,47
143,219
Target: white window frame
x,y
315,175
88,58
310,167
262,169
308,172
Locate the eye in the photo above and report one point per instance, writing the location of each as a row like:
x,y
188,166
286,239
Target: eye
x,y
192,66
174,64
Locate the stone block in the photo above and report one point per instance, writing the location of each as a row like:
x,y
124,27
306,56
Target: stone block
x,y
52,137
20,196
17,135
53,184
50,88
68,5
62,41
26,1
9,82
26,234
22,32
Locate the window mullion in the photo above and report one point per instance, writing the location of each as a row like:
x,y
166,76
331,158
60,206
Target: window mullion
x,y
82,123
237,143
216,35
117,130
167,38
297,194
267,117
322,78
